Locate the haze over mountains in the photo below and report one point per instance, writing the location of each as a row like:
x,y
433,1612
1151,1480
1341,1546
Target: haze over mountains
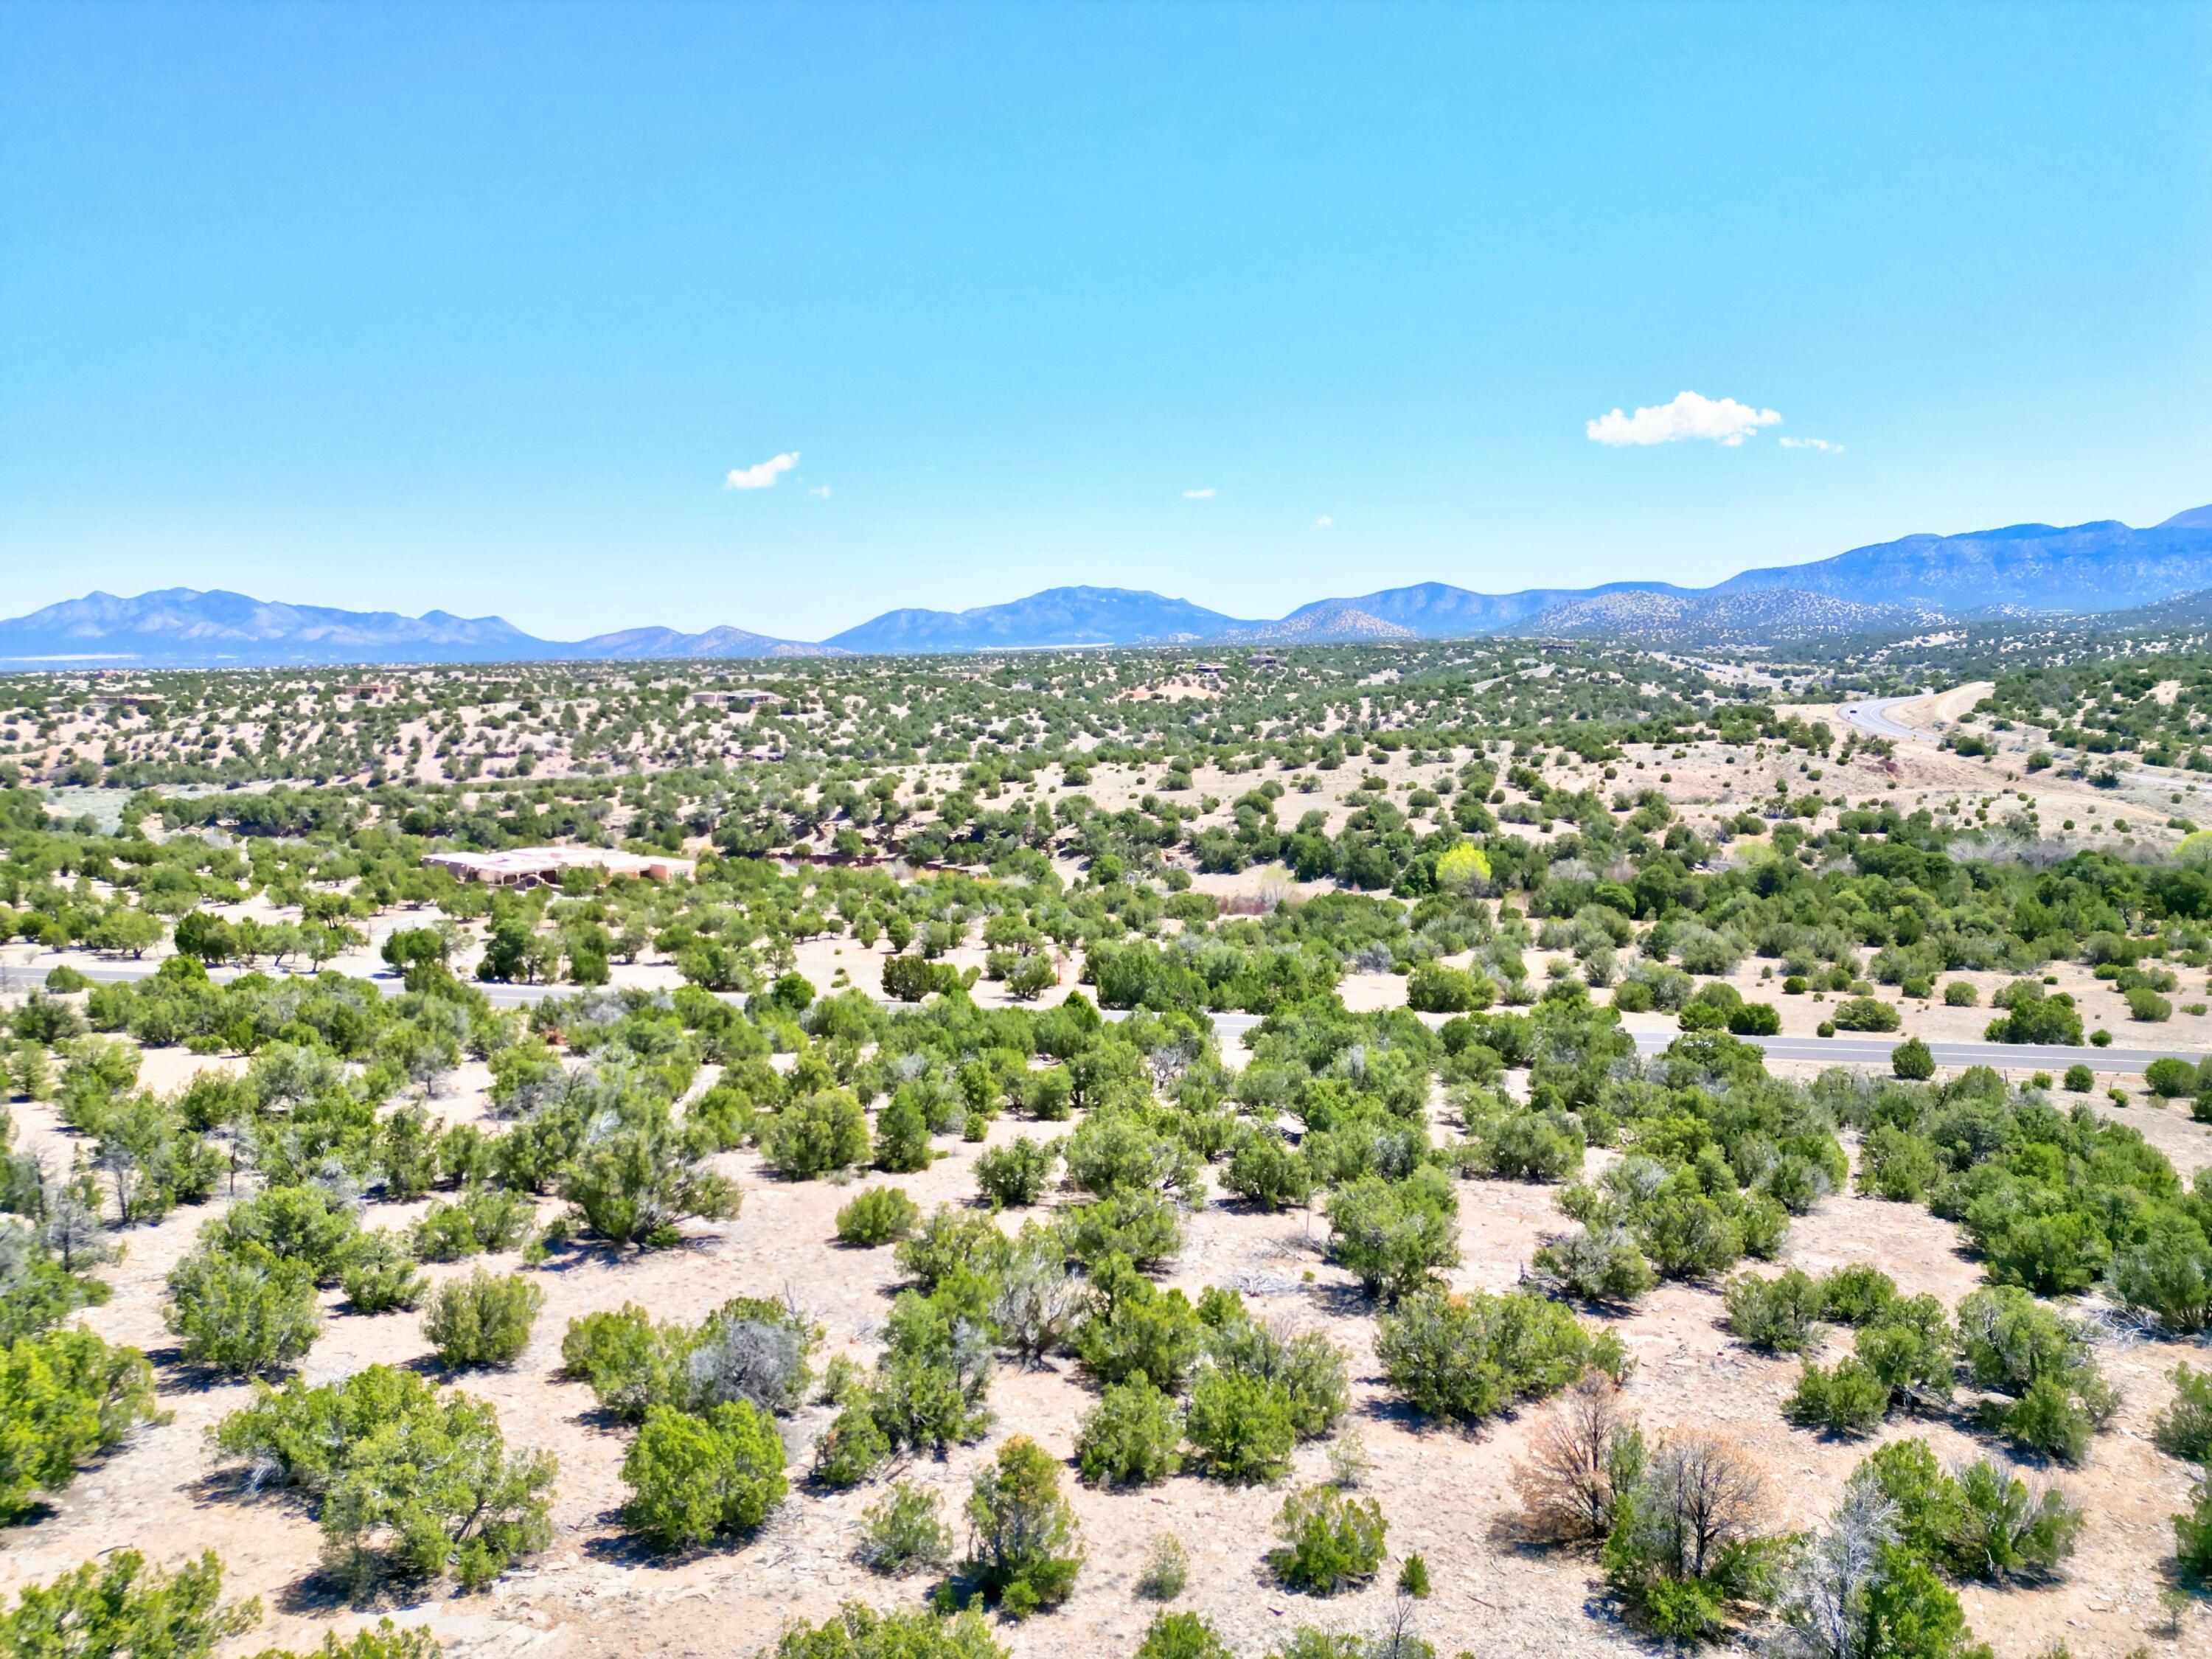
x,y
2021,569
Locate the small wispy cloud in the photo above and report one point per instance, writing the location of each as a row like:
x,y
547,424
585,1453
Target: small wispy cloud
x,y
1204,494
761,475
1724,421
1820,444
821,490
1324,522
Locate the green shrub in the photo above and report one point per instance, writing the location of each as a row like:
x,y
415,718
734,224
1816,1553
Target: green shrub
x,y
2032,1016
1311,1372
692,1477
953,1241
1330,1540
1181,1636
65,1397
1013,1177
904,1532
1166,1569
1243,1427
1025,1548
1961,994
118,1606
1533,1146
2015,1345
877,1217
1847,1398
1857,1294
1864,1014
405,1477
1130,1437
242,1313
1143,1227
634,1186
811,1137
1910,1347
380,1274
1395,1235
1912,1060
1755,1020
901,1139
387,1641
1780,1314
2169,1078
1413,1578
861,1632
2079,1079
1995,1527
1598,1265
2166,1273
483,1320
631,1362
2192,1530
1433,988
1133,1327
2146,1005
483,1218
1684,1545
2184,1428
1268,1172
853,1446
1470,1357
303,1225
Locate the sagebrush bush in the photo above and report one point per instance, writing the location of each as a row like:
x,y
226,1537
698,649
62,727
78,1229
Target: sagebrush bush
x,y
483,1320
904,1532
1166,1569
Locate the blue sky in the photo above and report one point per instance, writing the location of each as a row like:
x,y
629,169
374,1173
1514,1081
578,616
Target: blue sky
x,y
481,306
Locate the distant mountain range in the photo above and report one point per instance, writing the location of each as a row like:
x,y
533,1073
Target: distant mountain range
x,y
2023,569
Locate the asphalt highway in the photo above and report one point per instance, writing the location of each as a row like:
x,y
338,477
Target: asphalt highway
x,y
1873,715
1872,1051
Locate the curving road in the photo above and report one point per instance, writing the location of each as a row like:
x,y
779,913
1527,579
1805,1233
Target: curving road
x,y
1873,716
1872,1051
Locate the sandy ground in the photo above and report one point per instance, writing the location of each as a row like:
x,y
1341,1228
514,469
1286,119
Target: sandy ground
x,y
1446,1493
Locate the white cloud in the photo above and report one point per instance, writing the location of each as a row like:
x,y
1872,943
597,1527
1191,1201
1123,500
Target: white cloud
x,y
1204,494
762,476
1324,522
1726,421
821,490
1820,444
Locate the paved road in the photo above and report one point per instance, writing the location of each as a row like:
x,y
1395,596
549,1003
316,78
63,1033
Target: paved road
x,y
1873,715
1871,1051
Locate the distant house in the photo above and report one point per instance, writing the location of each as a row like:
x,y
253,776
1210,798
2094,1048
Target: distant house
x,y
544,867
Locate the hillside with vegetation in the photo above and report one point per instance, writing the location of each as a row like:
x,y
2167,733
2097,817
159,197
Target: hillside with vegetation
x,y
1058,1102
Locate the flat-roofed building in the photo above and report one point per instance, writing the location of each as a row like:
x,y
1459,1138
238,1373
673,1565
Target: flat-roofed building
x,y
544,867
